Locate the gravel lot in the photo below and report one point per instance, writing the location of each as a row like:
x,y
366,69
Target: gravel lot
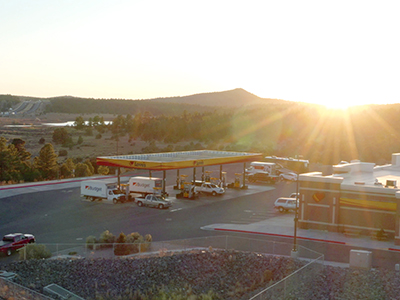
x,y
229,274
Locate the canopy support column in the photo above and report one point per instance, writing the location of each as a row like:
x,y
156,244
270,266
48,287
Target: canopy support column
x,y
119,177
244,176
163,181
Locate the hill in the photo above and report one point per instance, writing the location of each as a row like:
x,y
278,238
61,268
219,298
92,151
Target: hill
x,y
232,98
170,105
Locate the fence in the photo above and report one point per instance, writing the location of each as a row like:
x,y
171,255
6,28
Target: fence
x,y
12,290
299,283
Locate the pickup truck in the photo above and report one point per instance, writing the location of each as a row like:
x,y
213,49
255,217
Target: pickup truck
x,y
209,188
14,241
152,200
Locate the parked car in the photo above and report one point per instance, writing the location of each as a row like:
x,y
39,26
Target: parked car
x,y
289,176
14,241
294,195
285,204
152,200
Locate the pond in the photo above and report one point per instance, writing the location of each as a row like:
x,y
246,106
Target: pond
x,y
60,124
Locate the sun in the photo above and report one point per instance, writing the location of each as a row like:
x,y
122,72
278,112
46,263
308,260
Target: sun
x,y
338,105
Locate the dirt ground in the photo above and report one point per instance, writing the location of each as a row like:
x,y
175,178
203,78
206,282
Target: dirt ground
x,y
33,130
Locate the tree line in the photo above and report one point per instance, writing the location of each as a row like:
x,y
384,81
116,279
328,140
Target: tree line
x,y
16,164
368,133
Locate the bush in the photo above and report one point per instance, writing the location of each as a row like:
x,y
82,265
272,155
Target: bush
x,y
107,238
121,248
98,136
62,152
103,170
34,251
89,131
90,241
42,141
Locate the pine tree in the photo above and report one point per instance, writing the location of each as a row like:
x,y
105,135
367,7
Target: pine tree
x,y
7,161
46,162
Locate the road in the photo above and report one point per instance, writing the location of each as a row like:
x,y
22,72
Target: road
x,y
61,216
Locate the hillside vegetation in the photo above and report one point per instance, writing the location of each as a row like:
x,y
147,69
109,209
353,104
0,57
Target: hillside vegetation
x,y
238,121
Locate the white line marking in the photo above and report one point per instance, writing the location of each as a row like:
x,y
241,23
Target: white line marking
x,y
175,209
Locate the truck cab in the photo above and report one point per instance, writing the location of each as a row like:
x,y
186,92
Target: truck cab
x,y
116,195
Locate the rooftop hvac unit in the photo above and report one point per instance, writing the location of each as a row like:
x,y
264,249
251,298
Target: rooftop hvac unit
x,y
391,183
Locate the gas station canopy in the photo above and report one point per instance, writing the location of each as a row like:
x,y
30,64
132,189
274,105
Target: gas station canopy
x,y
177,160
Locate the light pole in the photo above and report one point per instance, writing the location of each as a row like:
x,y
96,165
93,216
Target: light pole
x,y
119,169
294,253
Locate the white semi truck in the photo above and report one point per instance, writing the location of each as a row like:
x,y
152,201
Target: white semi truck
x,y
101,190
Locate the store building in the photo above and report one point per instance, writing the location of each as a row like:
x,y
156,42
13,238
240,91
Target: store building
x,y
358,196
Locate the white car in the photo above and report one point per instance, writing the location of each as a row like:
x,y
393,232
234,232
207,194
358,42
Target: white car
x,y
285,204
289,176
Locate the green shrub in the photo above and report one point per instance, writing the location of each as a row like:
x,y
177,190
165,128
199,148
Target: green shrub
x,y
34,251
90,241
107,238
148,238
62,152
121,248
98,136
103,170
89,131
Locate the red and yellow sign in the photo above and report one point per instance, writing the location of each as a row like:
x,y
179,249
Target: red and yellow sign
x,y
318,197
369,204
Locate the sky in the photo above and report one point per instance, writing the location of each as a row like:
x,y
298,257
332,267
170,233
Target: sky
x,y
334,53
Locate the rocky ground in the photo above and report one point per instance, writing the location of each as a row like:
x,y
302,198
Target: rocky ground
x,y
228,274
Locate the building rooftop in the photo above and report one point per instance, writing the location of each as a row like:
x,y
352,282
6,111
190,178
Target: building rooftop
x,y
177,160
363,176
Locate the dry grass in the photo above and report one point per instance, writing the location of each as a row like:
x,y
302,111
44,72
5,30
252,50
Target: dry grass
x,y
91,147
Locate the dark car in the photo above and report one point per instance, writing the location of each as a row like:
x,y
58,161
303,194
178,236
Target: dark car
x,y
263,177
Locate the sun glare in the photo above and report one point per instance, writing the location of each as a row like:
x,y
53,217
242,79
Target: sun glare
x,y
338,105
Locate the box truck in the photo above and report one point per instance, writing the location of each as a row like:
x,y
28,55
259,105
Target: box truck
x,y
261,167
143,186
101,190
263,171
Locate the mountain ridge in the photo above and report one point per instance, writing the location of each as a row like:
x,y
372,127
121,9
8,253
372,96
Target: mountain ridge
x,y
230,98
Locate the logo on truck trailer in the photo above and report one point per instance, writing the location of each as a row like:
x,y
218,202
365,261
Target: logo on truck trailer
x,y
143,185
93,188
